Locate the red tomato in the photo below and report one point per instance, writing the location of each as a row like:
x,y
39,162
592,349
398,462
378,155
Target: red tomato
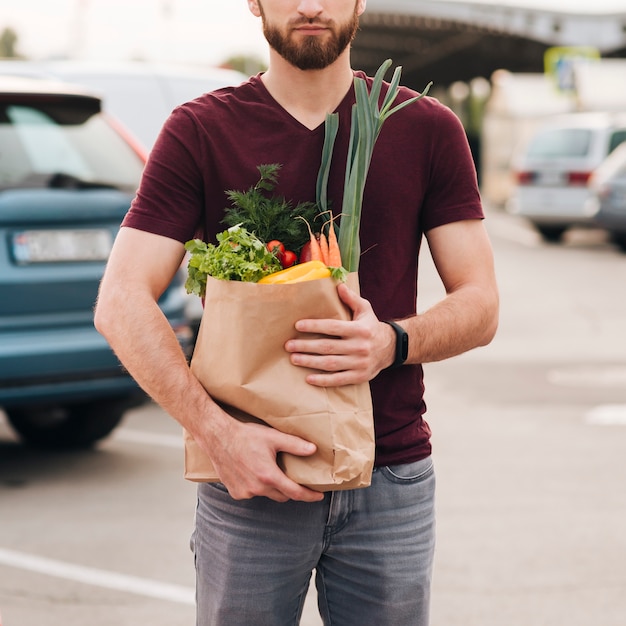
x,y
276,248
288,259
305,253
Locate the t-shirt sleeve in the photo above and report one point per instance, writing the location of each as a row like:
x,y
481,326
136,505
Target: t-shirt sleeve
x,y
452,193
169,200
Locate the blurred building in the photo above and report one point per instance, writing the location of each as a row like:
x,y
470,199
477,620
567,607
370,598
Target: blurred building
x,y
447,41
463,45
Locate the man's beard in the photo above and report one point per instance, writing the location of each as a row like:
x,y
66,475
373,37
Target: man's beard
x,y
311,54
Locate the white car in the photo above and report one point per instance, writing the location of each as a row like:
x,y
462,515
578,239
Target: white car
x,y
552,172
139,94
608,185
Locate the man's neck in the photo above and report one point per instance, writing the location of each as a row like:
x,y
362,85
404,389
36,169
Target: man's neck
x,y
308,95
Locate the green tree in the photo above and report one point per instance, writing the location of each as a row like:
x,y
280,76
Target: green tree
x,y
8,43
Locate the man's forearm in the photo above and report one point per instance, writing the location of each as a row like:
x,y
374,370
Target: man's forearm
x,y
143,340
463,320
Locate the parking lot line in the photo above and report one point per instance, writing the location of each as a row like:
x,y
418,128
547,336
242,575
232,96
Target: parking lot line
x,y
98,577
146,438
607,415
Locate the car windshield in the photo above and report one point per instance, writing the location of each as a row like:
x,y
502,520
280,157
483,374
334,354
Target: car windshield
x,y
617,137
562,142
59,145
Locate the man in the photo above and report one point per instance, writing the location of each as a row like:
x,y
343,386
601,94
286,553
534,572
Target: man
x,y
258,534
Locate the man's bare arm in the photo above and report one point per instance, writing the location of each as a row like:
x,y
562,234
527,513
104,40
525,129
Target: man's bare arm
x,y
466,318
140,268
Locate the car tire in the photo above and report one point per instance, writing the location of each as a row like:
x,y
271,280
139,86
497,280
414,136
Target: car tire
x,y
75,426
553,234
619,239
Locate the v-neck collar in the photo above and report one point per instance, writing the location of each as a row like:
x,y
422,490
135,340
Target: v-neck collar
x,y
345,104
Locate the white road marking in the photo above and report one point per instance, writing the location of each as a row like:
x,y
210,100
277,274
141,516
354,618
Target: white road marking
x,y
98,577
607,415
611,376
146,438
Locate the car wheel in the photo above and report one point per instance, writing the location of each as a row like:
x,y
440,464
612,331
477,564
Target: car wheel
x,y
619,239
73,426
552,234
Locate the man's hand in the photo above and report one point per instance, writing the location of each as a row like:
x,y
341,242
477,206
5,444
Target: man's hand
x,y
245,460
128,315
350,352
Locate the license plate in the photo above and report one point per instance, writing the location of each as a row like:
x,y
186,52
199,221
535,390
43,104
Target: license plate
x,y
551,179
53,246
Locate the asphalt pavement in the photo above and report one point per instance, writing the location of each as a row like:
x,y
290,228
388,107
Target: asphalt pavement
x,y
529,439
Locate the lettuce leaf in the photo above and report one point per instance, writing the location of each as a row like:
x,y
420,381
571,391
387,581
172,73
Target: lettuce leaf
x,y
238,255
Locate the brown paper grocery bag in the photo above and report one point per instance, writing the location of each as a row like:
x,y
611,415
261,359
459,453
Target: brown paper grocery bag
x,y
240,360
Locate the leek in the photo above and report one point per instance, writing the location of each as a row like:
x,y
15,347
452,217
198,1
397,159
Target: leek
x,y
331,127
367,121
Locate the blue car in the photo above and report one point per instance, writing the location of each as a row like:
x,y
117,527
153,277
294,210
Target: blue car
x,y
67,177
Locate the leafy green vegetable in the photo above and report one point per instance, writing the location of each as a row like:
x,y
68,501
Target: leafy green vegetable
x,y
340,274
238,255
270,217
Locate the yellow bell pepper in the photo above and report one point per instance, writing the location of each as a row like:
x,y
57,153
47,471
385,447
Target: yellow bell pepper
x,y
311,270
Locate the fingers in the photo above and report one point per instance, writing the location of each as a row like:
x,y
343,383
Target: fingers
x,y
289,490
295,445
282,488
285,486
349,297
251,468
276,489
275,486
360,308
324,357
341,351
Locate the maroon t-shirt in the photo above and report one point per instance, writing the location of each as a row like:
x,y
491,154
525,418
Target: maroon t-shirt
x,y
421,176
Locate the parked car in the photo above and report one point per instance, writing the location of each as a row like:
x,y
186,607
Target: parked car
x,y
139,94
552,172
67,177
608,187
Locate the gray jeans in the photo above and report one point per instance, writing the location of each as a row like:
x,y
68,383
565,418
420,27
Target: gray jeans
x,y
372,550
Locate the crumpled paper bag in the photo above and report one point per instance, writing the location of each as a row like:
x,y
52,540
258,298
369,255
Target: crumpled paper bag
x,y
240,360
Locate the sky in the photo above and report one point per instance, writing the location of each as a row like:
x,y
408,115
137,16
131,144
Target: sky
x,y
201,31
206,32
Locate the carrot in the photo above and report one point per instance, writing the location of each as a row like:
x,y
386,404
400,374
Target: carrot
x,y
324,247
334,254
316,251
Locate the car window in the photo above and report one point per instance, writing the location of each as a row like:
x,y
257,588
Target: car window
x,y
618,158
44,142
617,137
136,101
561,142
143,103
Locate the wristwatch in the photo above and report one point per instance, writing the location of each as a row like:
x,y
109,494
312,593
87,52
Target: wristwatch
x,y
402,344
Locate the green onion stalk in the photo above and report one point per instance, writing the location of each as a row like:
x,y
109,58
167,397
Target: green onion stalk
x,y
367,121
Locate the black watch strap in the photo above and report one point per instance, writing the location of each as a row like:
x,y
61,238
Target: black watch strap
x,y
402,344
